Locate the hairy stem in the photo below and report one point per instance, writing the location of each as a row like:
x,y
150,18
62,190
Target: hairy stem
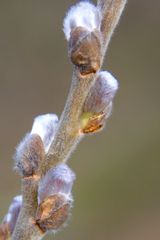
x,y
68,134
26,227
111,11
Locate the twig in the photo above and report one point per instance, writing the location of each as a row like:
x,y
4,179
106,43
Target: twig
x,y
88,38
26,227
111,11
68,134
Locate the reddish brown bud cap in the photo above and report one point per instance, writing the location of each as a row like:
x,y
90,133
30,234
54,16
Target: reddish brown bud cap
x,y
54,197
53,212
4,231
85,50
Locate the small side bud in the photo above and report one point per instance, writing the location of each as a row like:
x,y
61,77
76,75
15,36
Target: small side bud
x,y
57,180
54,198
101,93
29,155
9,221
82,30
45,126
98,104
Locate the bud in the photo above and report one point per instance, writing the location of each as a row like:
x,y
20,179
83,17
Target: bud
x,y
101,93
54,198
85,50
98,104
57,180
82,30
45,126
31,151
29,155
10,219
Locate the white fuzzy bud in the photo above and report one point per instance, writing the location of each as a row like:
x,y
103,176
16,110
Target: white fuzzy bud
x,y
102,93
58,180
98,104
83,14
29,155
45,126
55,198
111,83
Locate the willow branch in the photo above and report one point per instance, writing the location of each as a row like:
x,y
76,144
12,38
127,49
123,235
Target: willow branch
x,y
87,47
26,227
68,134
111,12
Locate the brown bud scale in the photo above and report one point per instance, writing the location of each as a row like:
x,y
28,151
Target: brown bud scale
x,y
4,231
94,124
85,50
53,212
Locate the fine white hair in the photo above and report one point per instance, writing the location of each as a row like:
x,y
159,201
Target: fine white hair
x,y
13,209
110,80
83,14
45,126
58,180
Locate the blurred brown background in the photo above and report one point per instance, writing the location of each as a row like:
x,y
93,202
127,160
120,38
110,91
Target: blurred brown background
x,y
117,191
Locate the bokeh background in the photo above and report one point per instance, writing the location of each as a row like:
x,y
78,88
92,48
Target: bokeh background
x,y
117,191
